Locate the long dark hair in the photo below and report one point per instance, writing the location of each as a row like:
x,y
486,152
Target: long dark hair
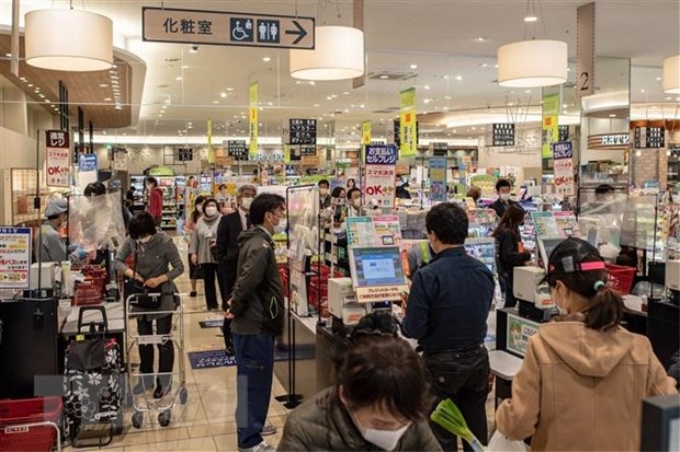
x,y
196,214
604,309
511,219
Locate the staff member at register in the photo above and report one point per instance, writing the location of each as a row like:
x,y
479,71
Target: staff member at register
x,y
584,377
49,245
446,312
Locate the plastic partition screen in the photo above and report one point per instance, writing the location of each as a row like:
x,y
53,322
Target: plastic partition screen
x,y
376,266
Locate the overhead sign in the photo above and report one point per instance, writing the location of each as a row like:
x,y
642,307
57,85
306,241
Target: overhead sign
x,y
227,28
120,159
238,149
408,135
650,137
439,148
87,163
253,124
366,133
551,108
381,174
307,151
301,131
503,135
15,257
57,158
185,155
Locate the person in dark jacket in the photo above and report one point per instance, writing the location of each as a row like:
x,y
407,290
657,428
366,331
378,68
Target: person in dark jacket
x,y
509,250
503,189
446,312
381,402
257,311
230,228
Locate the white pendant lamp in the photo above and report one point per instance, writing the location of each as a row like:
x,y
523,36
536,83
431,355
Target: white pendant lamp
x,y
671,75
338,55
532,64
68,40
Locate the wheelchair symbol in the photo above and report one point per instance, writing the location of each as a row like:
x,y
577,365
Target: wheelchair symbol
x,y
240,33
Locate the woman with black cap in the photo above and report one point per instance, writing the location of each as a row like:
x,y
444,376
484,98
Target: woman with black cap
x,y
584,377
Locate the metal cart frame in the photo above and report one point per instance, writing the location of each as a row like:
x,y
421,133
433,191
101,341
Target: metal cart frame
x,y
165,404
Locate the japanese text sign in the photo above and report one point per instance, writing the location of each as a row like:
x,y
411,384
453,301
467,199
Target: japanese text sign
x,y
380,184
57,158
15,258
381,155
563,154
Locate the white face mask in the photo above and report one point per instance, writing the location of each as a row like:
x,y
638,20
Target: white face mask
x,y
210,211
385,439
505,196
246,202
281,227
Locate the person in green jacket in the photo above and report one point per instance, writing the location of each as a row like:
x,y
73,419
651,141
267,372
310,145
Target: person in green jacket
x,y
381,402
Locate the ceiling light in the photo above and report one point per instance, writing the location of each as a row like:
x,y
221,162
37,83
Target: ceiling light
x,y
414,66
185,66
426,87
346,93
230,89
266,59
107,99
671,75
658,79
532,64
316,105
329,98
30,85
527,91
223,95
362,106
178,79
483,65
23,79
47,101
481,39
612,115
459,77
312,82
643,91
530,18
103,85
216,102
42,96
8,55
338,55
384,77
118,107
68,40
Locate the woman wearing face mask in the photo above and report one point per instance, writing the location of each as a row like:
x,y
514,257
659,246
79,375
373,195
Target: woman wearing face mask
x,y
584,376
380,403
203,252
189,226
156,263
510,250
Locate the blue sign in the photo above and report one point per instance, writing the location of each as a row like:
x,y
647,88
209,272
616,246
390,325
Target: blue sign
x,y
563,150
241,29
268,31
87,163
381,154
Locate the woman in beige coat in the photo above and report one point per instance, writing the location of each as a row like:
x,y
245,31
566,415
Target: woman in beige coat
x,y
584,377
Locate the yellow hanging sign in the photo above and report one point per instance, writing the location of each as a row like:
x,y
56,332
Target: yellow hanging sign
x,y
551,110
366,133
254,94
407,127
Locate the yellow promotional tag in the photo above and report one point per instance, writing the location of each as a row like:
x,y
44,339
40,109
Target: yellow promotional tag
x,y
80,337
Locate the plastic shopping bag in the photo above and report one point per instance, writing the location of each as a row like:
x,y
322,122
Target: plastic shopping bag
x,y
499,443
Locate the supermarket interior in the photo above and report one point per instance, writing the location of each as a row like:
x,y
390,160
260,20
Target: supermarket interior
x,y
339,225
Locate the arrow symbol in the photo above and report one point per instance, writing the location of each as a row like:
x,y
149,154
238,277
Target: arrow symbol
x,y
300,32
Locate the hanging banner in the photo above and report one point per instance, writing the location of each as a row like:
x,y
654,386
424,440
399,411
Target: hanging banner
x,y
551,108
563,153
87,169
57,158
366,133
381,174
408,137
254,94
120,159
15,258
211,151
438,179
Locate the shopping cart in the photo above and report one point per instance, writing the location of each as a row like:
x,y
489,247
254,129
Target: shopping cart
x,y
142,403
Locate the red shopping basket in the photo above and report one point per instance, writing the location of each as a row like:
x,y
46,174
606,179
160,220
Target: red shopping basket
x,y
621,278
16,414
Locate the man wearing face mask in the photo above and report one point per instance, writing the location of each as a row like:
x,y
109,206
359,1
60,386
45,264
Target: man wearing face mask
x,y
355,207
49,245
257,311
503,188
446,312
228,231
381,402
324,195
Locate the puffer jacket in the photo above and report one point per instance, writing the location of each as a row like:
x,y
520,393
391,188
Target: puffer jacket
x,y
581,389
323,423
257,300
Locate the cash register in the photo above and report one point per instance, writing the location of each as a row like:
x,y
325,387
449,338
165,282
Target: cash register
x,y
378,279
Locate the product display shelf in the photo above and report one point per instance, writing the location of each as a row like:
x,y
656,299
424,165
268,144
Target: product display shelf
x,y
137,184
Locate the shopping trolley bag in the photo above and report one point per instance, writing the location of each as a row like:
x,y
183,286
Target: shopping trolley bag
x,y
93,384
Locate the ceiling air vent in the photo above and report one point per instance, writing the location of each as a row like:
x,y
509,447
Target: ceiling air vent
x,y
391,75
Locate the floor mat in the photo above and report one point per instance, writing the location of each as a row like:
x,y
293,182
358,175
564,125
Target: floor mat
x,y
217,323
210,359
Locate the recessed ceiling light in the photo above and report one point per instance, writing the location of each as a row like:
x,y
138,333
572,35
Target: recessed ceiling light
x,y
216,102
223,95
30,85
564,105
185,66
270,104
669,98
312,82
329,98
178,79
483,65
107,99
103,85
528,91
426,101
531,18
612,115
47,101
346,93
459,77
496,66
42,96
658,79
414,66
426,87
230,89
446,108
481,39
362,106
383,77
8,55
316,105
118,107
266,59
23,79
643,91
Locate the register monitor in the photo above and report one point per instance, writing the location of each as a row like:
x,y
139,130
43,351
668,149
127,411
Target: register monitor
x,y
546,246
376,266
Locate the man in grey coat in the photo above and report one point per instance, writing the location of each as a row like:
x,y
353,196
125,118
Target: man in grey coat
x,y
257,310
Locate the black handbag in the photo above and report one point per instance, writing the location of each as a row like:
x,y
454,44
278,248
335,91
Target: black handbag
x,y
142,297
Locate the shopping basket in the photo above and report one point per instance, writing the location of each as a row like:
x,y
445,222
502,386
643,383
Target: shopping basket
x,y
20,424
88,292
621,278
